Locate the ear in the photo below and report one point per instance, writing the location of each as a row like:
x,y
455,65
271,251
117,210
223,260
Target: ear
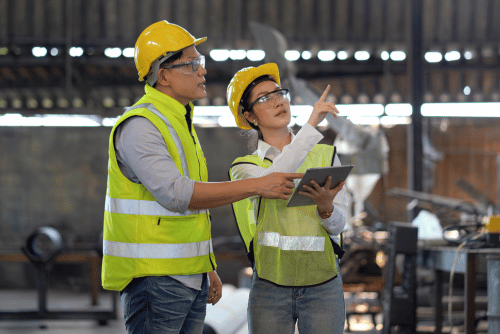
x,y
163,78
250,116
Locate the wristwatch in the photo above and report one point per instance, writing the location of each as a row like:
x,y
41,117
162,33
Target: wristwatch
x,y
324,214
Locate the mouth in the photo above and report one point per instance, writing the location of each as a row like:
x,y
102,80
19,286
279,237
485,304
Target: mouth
x,y
282,112
202,84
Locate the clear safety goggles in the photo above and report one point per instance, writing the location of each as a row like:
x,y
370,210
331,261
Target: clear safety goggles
x,y
282,94
189,67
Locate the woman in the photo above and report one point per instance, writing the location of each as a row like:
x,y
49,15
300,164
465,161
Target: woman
x,y
296,276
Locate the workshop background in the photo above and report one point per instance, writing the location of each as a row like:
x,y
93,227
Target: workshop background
x,y
67,72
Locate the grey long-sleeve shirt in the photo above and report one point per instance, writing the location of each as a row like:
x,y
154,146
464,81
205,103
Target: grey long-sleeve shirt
x,y
143,157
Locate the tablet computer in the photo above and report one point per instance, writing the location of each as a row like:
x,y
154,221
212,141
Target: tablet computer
x,y
319,174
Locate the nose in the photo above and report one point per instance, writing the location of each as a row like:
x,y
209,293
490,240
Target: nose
x,y
202,72
277,100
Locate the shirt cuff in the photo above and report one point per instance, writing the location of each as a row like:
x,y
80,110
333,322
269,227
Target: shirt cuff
x,y
334,224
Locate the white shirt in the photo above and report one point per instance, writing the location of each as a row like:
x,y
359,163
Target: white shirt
x,y
289,161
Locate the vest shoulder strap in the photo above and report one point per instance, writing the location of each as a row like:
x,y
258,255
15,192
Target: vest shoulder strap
x,y
175,137
249,159
327,153
244,210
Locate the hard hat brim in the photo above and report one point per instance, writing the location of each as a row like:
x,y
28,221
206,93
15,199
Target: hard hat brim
x,y
199,40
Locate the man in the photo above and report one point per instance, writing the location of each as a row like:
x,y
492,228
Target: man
x,y
157,246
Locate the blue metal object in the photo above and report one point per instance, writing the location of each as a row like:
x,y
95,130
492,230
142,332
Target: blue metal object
x,y
493,313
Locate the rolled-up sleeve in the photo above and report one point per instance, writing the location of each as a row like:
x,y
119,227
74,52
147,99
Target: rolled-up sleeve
x,y
336,223
143,158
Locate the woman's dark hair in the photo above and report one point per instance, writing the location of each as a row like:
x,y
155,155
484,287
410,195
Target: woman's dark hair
x,y
246,93
252,141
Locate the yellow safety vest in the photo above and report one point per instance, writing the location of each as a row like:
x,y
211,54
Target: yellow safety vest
x,y
141,237
288,246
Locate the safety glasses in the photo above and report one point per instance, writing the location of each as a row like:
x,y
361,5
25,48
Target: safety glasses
x,y
282,94
189,67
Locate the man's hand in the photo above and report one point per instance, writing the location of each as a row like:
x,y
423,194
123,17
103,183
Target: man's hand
x,y
321,108
276,185
322,196
215,288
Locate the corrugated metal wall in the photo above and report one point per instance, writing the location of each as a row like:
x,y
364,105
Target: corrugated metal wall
x,y
304,22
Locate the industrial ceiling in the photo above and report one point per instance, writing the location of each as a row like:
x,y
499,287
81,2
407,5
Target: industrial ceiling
x,y
53,53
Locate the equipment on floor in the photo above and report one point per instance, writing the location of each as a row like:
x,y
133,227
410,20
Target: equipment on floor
x,y
43,248
399,303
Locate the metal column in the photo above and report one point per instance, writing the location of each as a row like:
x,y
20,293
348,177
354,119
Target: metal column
x,y
415,71
399,302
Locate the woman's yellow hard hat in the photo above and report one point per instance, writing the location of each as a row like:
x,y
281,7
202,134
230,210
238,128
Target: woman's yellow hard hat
x,y
157,40
240,82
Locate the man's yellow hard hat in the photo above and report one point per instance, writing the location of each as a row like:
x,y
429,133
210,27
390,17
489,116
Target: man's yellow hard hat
x,y
157,40
240,82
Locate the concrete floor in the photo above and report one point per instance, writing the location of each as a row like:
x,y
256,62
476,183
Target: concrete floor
x,y
27,300
57,300
60,300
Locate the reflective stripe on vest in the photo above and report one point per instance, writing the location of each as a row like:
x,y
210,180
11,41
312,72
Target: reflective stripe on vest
x,y
143,208
173,133
156,251
273,239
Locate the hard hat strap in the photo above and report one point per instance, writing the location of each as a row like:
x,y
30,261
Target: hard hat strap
x,y
155,67
251,86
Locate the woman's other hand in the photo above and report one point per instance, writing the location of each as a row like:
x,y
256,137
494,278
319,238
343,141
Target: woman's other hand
x,y
321,108
322,196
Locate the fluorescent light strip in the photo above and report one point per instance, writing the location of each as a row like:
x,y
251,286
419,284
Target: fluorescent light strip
x,y
212,111
397,113
292,55
50,120
112,52
237,54
384,120
360,109
362,55
344,110
476,109
398,109
255,55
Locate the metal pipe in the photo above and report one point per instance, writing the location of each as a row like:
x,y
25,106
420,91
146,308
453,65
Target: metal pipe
x,y
493,313
43,277
68,43
498,184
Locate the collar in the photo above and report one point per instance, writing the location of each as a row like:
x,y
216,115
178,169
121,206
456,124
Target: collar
x,y
264,150
164,102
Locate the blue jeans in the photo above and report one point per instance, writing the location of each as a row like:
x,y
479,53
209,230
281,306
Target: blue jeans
x,y
275,309
161,304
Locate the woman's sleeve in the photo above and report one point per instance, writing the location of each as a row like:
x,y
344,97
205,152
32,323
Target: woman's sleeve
x,y
336,223
290,159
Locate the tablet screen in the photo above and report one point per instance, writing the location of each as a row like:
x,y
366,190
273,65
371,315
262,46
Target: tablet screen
x,y
319,174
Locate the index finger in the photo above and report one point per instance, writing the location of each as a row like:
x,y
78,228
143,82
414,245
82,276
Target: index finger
x,y
291,176
324,95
